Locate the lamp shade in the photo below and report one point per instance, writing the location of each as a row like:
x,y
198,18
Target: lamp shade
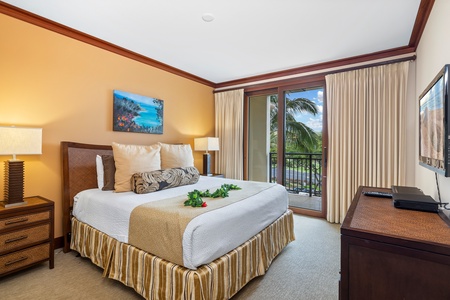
x,y
20,140
206,144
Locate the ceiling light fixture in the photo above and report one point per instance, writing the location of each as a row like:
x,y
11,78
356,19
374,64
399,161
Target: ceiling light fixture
x,y
208,17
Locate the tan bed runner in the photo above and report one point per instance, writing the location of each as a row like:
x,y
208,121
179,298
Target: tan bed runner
x,y
158,227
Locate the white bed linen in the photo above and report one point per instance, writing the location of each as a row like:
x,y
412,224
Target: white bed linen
x,y
207,237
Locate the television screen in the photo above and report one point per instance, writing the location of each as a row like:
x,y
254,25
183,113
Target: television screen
x,y
433,109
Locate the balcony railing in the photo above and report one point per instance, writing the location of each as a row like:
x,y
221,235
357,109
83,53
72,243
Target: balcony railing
x,y
303,172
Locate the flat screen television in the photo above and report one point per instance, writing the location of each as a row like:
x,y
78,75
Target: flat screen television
x,y
434,126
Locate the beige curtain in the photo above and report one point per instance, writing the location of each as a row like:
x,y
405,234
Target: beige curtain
x,y
366,130
229,107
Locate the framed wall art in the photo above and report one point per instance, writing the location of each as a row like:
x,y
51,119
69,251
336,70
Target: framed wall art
x,y
136,113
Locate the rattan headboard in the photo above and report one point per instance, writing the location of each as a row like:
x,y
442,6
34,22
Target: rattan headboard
x,y
79,173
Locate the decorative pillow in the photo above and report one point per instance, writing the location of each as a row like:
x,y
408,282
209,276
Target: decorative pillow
x,y
109,170
99,168
148,182
132,159
176,156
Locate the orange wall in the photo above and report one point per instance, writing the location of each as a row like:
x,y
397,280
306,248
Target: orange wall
x,y
65,87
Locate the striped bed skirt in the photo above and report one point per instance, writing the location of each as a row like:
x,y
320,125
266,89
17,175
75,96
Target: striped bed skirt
x,y
156,278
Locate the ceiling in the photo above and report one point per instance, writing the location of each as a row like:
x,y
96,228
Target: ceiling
x,y
246,38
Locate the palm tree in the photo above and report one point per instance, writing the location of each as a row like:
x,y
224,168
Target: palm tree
x,y
299,137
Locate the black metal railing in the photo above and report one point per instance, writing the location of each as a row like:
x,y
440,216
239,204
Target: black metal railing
x,y
303,172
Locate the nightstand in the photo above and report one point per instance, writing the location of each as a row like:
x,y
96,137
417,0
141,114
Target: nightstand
x,y
26,235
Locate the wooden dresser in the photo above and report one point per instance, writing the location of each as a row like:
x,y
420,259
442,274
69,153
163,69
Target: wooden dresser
x,y
390,253
26,235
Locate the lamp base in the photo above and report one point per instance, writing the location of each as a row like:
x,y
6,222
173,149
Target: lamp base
x,y
14,183
206,164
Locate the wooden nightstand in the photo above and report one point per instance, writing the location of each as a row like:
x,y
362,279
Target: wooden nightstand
x,y
26,235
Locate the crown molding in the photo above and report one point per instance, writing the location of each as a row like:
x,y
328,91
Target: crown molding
x,y
34,19
335,65
423,13
421,20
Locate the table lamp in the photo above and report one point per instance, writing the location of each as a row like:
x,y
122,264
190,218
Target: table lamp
x,y
13,141
206,144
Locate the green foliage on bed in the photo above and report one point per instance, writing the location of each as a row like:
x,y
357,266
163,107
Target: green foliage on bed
x,y
195,197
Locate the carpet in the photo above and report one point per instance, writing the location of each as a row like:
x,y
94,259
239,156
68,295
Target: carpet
x,y
307,268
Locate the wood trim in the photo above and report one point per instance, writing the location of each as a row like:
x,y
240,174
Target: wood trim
x,y
315,81
34,19
423,13
281,137
321,66
247,96
273,85
259,92
320,76
419,25
308,212
421,20
325,148
59,242
308,83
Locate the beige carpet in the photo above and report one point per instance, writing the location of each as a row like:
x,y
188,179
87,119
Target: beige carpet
x,y
308,268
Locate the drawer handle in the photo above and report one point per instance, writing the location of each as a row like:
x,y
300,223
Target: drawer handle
x,y
22,237
16,221
11,262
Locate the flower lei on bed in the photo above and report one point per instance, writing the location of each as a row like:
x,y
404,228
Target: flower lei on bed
x,y
195,197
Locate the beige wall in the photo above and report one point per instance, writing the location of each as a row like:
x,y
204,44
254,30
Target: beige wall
x,y
432,54
65,87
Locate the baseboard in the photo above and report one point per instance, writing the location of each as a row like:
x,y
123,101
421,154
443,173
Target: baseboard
x,y
59,242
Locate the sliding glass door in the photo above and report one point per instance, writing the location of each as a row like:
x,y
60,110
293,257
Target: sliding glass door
x,y
285,143
260,138
303,147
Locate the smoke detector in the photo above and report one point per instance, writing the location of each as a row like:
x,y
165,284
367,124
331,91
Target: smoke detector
x,y
208,17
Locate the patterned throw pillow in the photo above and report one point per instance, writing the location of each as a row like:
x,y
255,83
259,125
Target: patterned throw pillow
x,y
148,182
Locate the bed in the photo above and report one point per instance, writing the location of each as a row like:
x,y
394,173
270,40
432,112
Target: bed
x,y
197,277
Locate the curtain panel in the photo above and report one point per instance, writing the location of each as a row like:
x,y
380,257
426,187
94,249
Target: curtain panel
x,y
229,112
366,129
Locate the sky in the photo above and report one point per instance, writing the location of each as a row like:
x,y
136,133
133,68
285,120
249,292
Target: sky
x,y
135,97
315,95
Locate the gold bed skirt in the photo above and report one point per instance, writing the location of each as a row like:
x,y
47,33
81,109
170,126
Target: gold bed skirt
x,y
155,278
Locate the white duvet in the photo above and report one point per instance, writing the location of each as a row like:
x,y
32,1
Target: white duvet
x,y
207,236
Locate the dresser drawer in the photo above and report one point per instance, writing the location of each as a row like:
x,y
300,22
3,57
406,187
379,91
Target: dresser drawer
x,y
27,236
15,260
24,219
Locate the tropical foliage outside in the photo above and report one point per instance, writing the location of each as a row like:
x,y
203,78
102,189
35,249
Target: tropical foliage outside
x,y
299,137
303,146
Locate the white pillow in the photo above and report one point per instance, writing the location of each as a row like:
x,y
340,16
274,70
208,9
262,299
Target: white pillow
x,y
176,156
99,167
130,159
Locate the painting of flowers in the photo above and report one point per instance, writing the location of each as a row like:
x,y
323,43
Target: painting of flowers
x,y
136,113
